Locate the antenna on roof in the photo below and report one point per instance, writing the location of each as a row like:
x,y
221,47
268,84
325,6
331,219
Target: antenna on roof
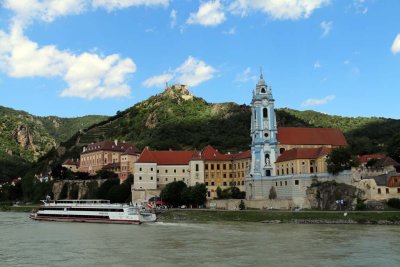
x,y
261,74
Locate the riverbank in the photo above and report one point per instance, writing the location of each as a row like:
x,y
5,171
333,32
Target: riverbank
x,y
275,217
22,208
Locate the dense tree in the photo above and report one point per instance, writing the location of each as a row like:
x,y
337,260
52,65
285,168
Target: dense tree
x,y
393,147
272,193
340,159
172,193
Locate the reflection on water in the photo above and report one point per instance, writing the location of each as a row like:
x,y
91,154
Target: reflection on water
x,y
24,242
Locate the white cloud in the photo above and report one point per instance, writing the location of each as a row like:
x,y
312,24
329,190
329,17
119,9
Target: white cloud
x,y
278,9
209,14
46,10
346,62
173,17
121,4
87,75
246,76
360,6
158,81
318,102
317,65
396,44
326,28
192,72
231,31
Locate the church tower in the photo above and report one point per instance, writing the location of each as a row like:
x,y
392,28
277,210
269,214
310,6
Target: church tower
x,y
264,145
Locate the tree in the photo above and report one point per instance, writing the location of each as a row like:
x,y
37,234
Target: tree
x,y
172,193
272,193
242,206
219,192
340,159
393,147
199,194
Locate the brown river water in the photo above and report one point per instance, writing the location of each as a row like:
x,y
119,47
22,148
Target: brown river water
x,y
24,242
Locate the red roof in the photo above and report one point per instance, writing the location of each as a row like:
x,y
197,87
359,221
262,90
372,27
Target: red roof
x,y
210,153
303,153
111,146
167,157
71,162
366,158
311,136
242,155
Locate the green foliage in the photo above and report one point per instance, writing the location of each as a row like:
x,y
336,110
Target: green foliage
x,y
393,147
360,204
272,193
177,194
105,188
219,192
231,193
242,206
340,159
394,203
172,193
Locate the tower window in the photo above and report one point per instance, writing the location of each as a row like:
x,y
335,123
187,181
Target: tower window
x,y
265,112
263,90
266,134
281,150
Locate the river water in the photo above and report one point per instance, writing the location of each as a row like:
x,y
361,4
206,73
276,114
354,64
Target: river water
x,y
24,242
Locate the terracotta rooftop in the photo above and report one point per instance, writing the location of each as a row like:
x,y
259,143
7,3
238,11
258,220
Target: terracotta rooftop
x,y
303,153
210,153
366,158
116,145
311,136
166,157
71,162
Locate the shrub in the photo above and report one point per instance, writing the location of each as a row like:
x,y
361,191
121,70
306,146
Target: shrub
x,y
394,203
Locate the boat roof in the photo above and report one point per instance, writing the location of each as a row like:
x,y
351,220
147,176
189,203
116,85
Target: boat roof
x,y
81,201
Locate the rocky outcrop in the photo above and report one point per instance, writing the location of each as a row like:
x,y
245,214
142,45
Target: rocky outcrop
x,y
22,136
325,196
76,189
151,121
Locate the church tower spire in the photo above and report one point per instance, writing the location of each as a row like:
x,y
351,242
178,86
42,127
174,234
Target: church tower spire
x,y
264,131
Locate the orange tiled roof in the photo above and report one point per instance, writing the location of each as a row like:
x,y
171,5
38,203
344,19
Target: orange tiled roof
x,y
366,158
311,136
166,157
71,162
303,153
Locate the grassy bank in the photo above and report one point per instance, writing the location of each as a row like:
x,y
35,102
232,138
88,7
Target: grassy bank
x,y
318,217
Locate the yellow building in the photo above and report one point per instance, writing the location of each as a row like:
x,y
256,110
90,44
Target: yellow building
x,y
224,170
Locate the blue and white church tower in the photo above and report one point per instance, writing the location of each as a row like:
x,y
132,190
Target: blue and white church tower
x,y
264,145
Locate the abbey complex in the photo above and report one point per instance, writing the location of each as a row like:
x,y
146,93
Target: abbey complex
x,y
278,170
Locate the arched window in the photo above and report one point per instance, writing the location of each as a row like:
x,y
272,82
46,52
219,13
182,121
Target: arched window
x,y
281,150
263,90
265,112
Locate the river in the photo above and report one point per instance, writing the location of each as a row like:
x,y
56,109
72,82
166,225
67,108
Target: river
x,y
24,242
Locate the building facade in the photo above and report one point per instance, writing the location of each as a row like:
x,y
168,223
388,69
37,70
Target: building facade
x,y
115,156
285,160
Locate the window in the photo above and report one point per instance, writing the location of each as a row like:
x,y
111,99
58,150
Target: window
x,y
217,166
140,178
151,178
296,182
158,171
263,90
292,170
208,193
174,170
151,169
158,179
166,179
276,183
266,135
224,166
281,183
285,183
277,172
281,150
387,190
398,190
224,183
166,171
197,167
212,183
268,173
212,166
206,166
183,170
206,183
265,112
224,175
242,182
379,191
140,169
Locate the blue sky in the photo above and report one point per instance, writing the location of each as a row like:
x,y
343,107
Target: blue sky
x,y
77,57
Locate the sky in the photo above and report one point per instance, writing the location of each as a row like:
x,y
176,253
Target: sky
x,y
78,57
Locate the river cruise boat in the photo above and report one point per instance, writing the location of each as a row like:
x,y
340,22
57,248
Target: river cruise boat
x,y
92,210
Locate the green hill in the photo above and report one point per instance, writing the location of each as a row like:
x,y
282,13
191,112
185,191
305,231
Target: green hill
x,y
24,137
175,119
